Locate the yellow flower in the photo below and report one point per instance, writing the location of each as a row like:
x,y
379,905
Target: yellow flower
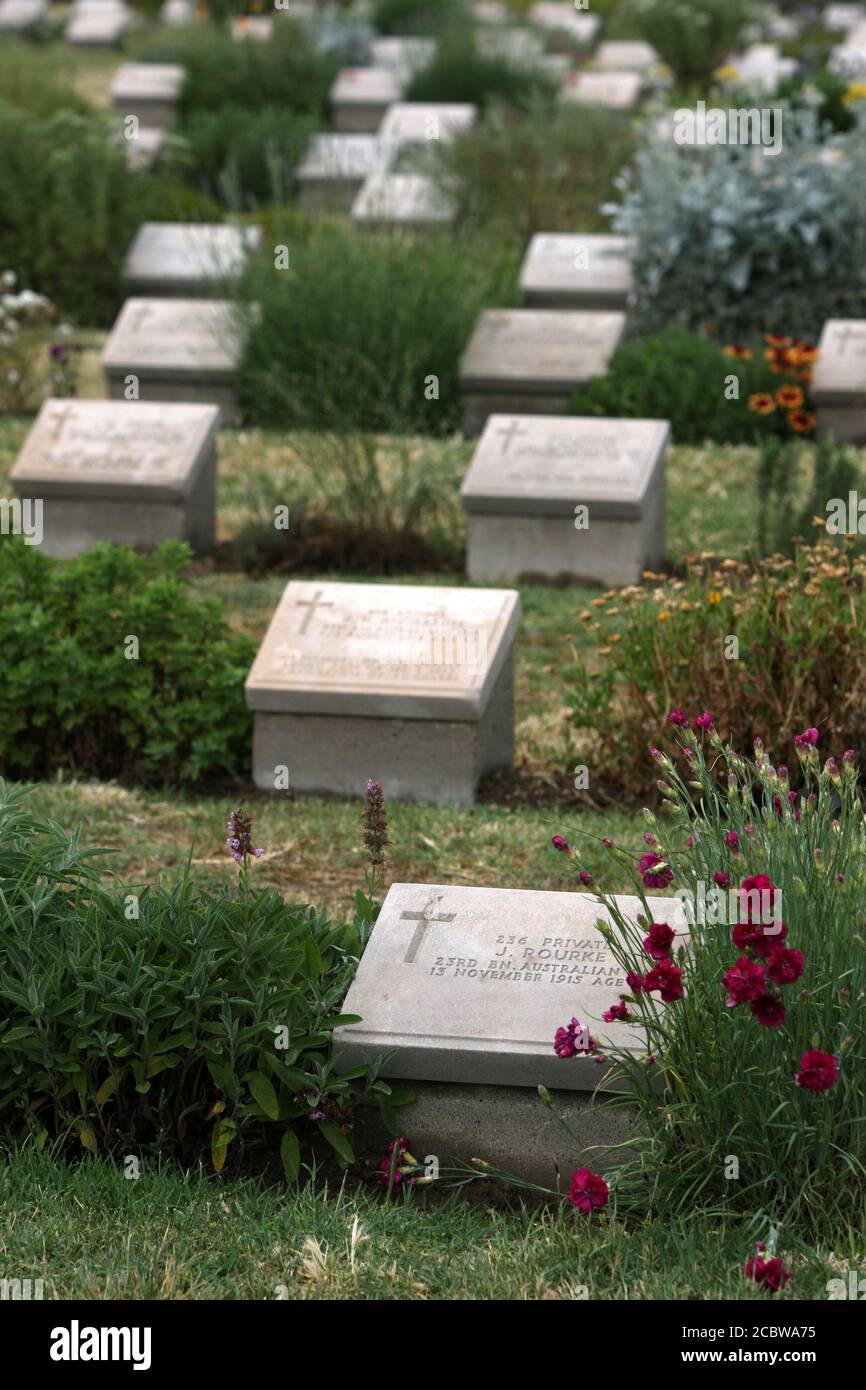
x,y
726,73
856,92
714,596
664,616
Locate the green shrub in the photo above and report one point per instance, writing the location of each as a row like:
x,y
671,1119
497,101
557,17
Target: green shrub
x,y
693,37
801,654
545,169
832,110
167,1020
746,244
241,157
788,501
417,16
366,332
680,376
286,72
36,80
750,998
460,73
71,700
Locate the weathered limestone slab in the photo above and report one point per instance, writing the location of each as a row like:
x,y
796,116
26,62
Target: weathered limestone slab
x,y
408,684
576,271
410,201
561,17
174,350
148,91
530,361
17,16
403,57
187,258
839,383
416,122
335,168
177,12
131,472
471,984
625,55
360,97
252,28
569,498
618,91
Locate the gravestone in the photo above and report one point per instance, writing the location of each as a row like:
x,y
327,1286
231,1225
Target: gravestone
x,y
625,55
491,12
467,987
403,57
252,28
187,258
576,271
406,201
131,473
520,46
148,91
407,684
177,12
359,98
849,59
335,167
617,91
566,499
174,350
97,24
839,381
761,68
530,361
143,148
417,122
17,16
842,17
561,17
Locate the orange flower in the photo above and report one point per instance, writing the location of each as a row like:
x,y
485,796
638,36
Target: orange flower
x,y
803,421
789,396
762,403
802,354
714,596
805,376
738,350
776,340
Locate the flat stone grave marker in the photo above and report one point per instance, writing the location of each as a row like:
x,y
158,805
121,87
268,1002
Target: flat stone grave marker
x,y
625,55
849,59
417,122
408,201
521,46
148,91
467,987
187,258
566,498
134,473
360,97
252,28
576,271
561,17
530,361
762,67
177,12
839,382
16,16
408,684
618,91
842,17
335,167
97,25
403,57
491,12
144,148
174,350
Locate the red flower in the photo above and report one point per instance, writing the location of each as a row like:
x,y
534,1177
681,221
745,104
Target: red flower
x,y
588,1191
744,982
574,1039
617,1012
654,871
635,982
807,739
751,894
732,840
760,940
668,979
559,842
722,879
768,1011
658,943
784,965
705,721
769,1273
585,878
679,718
818,1071
384,1173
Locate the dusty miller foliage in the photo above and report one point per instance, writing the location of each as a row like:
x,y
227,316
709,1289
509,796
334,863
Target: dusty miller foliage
x,y
730,237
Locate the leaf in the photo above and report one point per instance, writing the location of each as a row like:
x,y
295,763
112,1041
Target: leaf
x,y
265,1095
290,1153
338,1141
108,1088
87,1136
216,1109
221,1136
313,959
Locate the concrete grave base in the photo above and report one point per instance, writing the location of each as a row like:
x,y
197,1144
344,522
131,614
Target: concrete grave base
x,y
847,424
610,551
433,760
479,405
185,390
507,1126
72,525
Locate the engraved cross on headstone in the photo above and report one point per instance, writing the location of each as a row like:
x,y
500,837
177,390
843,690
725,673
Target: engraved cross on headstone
x,y
508,433
424,920
312,604
844,335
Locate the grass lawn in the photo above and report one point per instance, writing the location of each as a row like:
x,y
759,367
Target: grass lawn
x,y
91,1233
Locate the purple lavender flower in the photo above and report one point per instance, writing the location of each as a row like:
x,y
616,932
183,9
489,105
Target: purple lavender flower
x,y
375,824
240,836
